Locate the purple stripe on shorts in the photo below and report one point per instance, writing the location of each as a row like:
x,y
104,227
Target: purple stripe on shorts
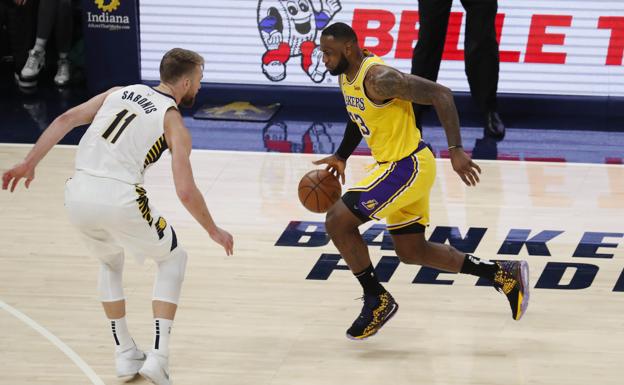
x,y
402,175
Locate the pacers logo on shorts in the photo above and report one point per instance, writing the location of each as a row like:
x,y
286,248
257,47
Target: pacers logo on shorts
x,y
370,204
161,224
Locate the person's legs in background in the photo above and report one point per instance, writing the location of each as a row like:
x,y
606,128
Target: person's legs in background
x,y
482,61
21,24
63,30
427,54
36,56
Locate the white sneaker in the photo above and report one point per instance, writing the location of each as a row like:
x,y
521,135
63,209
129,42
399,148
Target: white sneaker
x,y
34,64
62,73
25,85
128,362
156,369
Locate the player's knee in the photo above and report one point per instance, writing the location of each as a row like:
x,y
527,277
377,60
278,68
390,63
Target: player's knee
x,y
337,222
110,280
170,276
331,222
113,262
335,227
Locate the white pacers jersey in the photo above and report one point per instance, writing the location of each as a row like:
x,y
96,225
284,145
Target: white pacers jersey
x,y
126,135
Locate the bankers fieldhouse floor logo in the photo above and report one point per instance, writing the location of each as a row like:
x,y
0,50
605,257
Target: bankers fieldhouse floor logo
x,y
290,28
107,19
592,246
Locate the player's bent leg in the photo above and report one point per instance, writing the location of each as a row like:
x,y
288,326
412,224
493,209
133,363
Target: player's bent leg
x,y
167,288
170,275
412,248
128,358
110,277
508,277
379,306
341,225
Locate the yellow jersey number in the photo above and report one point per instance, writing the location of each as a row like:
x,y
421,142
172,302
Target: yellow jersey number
x,y
360,122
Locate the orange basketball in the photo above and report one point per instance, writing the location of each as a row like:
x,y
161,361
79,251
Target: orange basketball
x,y
319,190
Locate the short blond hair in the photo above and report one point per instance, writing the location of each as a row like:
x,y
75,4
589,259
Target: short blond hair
x,y
177,62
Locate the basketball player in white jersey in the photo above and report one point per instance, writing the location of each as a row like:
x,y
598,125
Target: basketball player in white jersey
x,y
130,128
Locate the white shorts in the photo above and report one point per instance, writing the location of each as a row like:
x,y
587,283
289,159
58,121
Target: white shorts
x,y
114,216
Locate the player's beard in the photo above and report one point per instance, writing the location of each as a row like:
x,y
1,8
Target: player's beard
x,y
187,101
341,67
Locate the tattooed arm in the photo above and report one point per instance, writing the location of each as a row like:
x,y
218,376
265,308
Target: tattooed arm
x,y
383,83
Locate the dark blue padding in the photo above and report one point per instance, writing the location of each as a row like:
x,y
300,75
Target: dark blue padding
x,y
599,113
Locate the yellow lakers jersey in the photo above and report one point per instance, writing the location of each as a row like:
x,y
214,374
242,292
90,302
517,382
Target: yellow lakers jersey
x,y
389,128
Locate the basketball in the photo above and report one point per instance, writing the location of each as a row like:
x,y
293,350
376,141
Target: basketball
x,y
319,190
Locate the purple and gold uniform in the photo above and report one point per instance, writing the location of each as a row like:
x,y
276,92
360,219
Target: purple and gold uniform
x,y
398,188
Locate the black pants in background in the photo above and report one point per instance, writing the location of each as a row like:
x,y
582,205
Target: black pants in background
x,y
56,14
480,46
21,24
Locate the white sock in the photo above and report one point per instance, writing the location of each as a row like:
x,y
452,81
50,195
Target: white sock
x,y
162,330
121,335
40,45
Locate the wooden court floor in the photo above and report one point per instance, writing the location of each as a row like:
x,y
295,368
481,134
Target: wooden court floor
x,y
254,318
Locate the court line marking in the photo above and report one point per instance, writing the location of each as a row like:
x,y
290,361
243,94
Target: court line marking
x,y
86,369
438,160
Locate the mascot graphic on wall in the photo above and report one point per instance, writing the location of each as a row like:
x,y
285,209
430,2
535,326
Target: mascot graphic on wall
x,y
289,28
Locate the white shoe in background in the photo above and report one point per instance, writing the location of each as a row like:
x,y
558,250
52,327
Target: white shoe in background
x,y
63,73
34,64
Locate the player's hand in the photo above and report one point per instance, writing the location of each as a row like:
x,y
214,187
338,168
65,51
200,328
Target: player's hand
x,y
335,165
467,170
223,238
19,171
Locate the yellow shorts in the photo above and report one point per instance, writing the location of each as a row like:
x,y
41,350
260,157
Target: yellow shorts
x,y
397,191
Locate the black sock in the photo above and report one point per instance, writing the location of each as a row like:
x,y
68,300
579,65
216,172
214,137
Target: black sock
x,y
369,282
479,267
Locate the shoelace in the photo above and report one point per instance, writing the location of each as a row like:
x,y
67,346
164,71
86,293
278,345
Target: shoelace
x,y
31,62
361,316
363,312
63,68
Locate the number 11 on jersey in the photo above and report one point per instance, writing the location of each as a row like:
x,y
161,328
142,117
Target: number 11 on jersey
x,y
109,131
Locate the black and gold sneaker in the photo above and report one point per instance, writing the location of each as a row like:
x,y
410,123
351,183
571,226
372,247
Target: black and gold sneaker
x,y
512,279
377,310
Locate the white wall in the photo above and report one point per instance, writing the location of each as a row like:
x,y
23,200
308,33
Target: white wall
x,y
226,33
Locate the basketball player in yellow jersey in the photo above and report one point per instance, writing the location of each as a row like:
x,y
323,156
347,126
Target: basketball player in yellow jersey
x,y
378,100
